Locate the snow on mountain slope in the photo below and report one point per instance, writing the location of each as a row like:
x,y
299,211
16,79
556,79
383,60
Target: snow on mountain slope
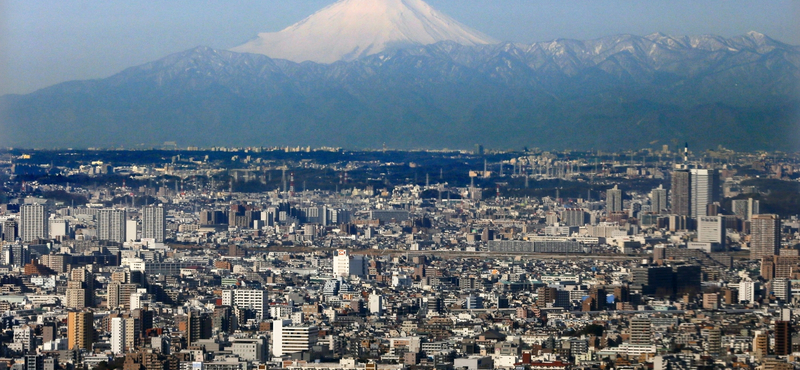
x,y
350,29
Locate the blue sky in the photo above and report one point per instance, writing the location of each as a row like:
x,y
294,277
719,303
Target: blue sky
x,y
46,42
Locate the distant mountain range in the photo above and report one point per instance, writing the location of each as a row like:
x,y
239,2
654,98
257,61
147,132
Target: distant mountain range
x,y
610,93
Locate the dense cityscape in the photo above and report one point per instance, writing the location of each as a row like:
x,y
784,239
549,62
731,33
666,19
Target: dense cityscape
x,y
301,258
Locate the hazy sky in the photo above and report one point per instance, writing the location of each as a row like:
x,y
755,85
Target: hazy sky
x,y
46,42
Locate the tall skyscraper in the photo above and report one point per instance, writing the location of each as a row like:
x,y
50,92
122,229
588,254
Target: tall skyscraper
x,y
80,330
705,190
614,200
154,223
658,199
765,235
33,222
111,225
681,192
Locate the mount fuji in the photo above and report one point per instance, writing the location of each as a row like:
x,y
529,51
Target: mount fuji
x,y
363,73
351,29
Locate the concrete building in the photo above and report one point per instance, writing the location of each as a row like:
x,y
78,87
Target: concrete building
x,y
80,330
111,224
256,300
33,222
765,236
345,264
288,339
154,223
613,200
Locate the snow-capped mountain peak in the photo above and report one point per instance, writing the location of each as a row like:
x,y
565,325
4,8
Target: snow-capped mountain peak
x,y
349,29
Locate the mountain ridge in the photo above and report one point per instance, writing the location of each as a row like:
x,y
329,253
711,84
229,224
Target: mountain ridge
x,y
558,94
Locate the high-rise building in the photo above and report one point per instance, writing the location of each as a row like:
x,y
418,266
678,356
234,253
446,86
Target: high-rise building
x,y
711,229
117,335
641,332
748,291
80,330
376,304
658,199
199,326
59,228
10,230
33,222
288,339
765,236
761,345
111,224
783,338
575,217
154,223
714,345
86,280
613,200
745,208
131,232
253,299
345,264
681,192
705,190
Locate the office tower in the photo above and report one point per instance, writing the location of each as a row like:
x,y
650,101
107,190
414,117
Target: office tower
x,y
745,208
80,330
111,224
654,280
33,222
688,279
117,335
783,338
288,339
613,200
765,235
252,299
711,229
705,190
346,265
10,230
681,192
640,332
153,223
658,199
